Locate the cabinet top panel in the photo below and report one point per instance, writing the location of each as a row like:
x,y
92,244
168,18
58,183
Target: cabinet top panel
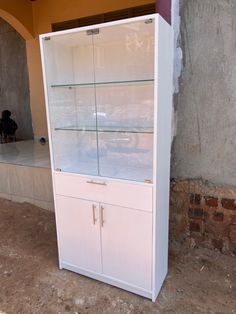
x,y
112,34
102,25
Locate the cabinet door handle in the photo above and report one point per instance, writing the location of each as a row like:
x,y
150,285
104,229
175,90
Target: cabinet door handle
x,y
102,215
94,216
96,182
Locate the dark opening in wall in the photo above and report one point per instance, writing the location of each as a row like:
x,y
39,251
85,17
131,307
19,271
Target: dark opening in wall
x,y
14,80
106,17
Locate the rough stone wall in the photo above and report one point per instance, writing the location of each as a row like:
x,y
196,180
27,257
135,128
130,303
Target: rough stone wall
x,y
204,214
14,84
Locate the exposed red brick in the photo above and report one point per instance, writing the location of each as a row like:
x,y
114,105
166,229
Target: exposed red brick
x,y
232,233
218,216
216,230
198,238
211,201
217,243
194,226
204,212
233,219
232,247
195,212
228,204
195,199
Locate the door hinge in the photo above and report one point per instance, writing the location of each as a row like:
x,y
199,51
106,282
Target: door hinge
x,y
93,31
149,21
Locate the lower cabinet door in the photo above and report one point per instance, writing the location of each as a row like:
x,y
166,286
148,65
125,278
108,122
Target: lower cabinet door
x,y
127,245
79,233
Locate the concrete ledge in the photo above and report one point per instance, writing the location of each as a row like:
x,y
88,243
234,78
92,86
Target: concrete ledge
x,y
27,184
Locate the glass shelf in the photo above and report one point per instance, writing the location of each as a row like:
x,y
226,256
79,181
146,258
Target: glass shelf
x,y
133,82
101,96
108,129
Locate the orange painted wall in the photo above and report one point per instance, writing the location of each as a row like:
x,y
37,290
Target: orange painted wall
x,y
19,14
51,11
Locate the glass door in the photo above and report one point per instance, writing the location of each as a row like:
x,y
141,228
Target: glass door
x,y
72,108
101,100
124,89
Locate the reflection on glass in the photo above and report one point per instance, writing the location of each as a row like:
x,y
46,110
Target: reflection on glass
x,y
78,153
125,53
101,101
126,156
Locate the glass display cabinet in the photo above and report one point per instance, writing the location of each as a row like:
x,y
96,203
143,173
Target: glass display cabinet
x,y
108,91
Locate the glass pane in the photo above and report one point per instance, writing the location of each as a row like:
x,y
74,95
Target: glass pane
x,y
124,55
124,52
71,93
126,156
128,107
78,153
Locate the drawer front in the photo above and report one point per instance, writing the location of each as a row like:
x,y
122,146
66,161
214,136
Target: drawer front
x,y
130,195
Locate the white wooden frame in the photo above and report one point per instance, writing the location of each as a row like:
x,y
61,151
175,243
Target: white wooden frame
x,y
162,144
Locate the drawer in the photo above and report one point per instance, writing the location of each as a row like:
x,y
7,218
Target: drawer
x,y
132,195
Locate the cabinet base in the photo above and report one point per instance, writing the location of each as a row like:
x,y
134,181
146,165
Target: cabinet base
x,y
108,280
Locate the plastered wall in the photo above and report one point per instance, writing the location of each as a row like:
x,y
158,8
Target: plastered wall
x,y
205,144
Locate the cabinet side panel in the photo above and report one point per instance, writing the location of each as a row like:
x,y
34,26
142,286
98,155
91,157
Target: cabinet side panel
x,y
164,70
49,134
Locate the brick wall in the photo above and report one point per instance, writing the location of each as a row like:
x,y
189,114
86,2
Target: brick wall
x,y
203,214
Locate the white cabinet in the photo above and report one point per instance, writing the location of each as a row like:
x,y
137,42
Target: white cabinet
x,y
127,245
109,240
79,232
108,92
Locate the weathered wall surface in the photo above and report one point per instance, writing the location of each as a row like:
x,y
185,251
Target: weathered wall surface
x,y
203,193
205,145
14,84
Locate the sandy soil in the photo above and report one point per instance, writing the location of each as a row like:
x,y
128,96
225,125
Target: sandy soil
x,y
199,280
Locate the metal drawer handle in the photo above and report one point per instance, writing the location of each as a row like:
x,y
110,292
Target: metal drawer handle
x,y
94,217
102,215
95,182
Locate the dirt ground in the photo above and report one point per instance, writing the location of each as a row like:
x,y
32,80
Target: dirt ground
x,y
199,280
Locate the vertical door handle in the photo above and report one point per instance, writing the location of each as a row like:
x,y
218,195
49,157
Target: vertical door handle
x,y
102,215
94,207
